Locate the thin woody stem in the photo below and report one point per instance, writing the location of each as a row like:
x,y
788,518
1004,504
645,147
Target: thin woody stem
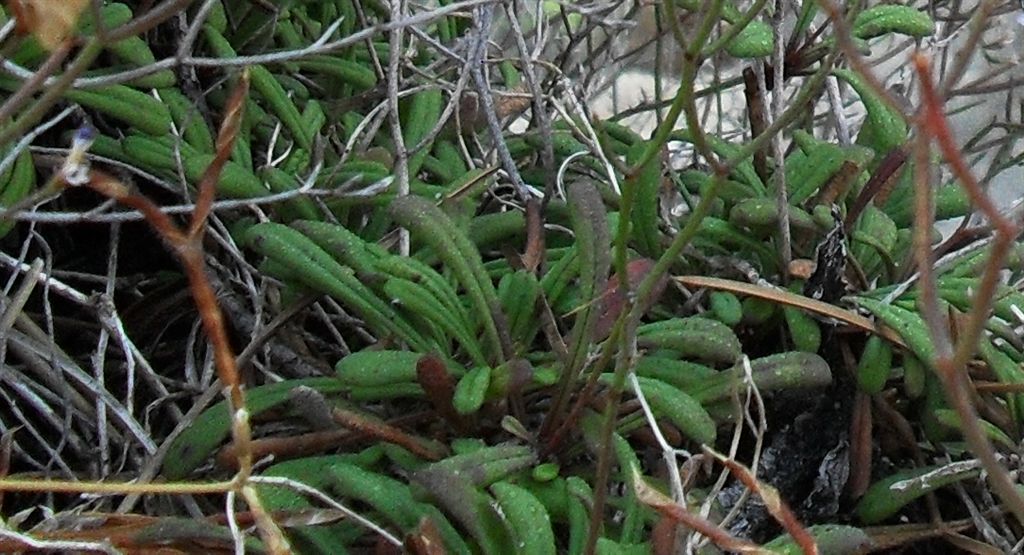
x,y
188,246
952,369
225,142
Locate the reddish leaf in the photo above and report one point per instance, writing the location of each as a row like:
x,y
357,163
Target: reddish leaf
x,y
439,386
425,539
534,236
614,298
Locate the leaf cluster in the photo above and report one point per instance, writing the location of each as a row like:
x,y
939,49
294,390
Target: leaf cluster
x,y
540,323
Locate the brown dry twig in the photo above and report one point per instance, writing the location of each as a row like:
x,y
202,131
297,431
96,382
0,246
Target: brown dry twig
x,y
772,501
672,510
951,368
187,244
794,300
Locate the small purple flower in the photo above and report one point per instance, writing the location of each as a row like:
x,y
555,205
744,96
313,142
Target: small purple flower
x,y
76,166
84,134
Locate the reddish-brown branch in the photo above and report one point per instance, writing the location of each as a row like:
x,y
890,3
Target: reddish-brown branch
x,y
775,505
860,446
191,255
387,433
225,142
188,246
952,369
672,510
933,122
878,186
110,187
924,220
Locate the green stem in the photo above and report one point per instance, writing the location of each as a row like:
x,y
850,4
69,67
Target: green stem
x,y
684,101
684,96
734,29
